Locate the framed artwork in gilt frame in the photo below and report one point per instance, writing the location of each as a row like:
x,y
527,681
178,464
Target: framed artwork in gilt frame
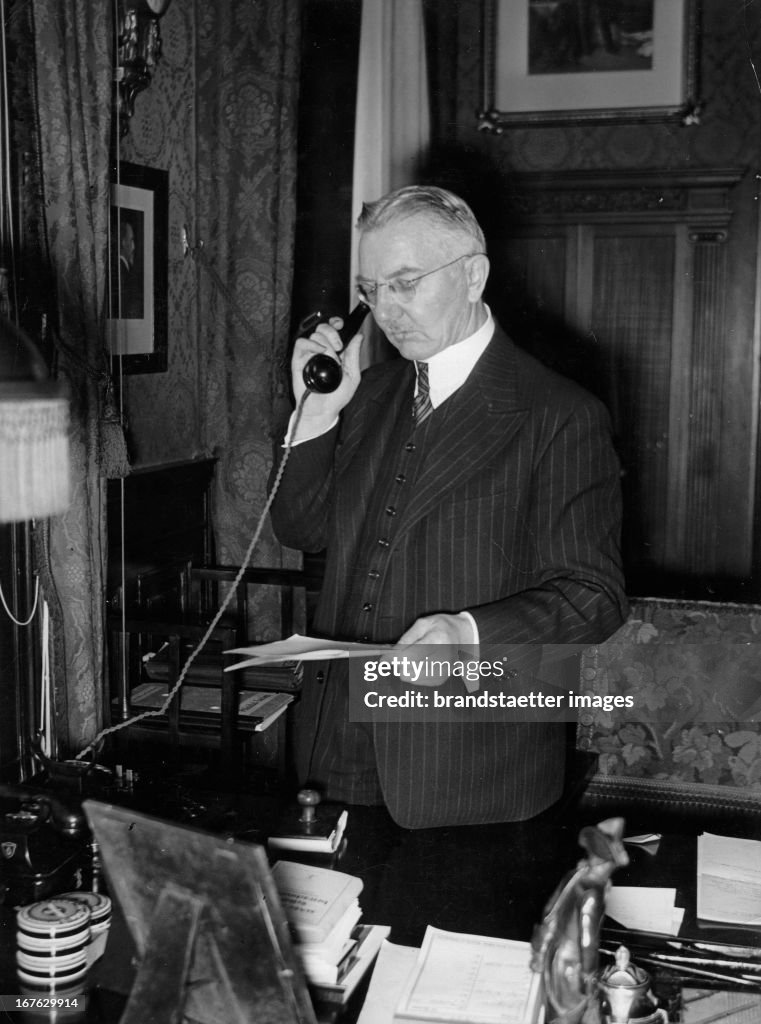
x,y
138,268
549,62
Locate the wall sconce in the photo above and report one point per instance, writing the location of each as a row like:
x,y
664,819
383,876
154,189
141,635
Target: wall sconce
x,y
138,49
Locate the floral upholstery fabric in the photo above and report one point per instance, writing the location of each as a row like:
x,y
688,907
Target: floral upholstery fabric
x,y
693,673
73,93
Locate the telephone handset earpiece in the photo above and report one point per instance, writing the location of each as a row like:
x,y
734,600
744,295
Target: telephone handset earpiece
x,y
323,373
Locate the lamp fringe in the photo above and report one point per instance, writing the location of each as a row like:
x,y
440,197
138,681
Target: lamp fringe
x,y
34,457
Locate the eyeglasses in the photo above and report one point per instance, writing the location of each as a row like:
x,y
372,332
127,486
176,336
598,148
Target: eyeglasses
x,y
404,288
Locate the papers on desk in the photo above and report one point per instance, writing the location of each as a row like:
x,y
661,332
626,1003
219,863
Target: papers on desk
x,y
729,880
303,648
392,968
644,908
728,890
454,979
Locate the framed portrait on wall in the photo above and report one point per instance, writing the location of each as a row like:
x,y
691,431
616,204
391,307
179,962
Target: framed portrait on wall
x,y
138,268
586,61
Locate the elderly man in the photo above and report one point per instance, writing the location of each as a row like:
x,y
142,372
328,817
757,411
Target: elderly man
x,y
463,494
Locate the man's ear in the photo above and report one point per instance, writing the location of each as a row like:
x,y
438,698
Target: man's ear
x,y
478,272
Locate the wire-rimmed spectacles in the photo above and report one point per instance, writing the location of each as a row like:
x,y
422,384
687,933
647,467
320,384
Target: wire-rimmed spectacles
x,y
403,288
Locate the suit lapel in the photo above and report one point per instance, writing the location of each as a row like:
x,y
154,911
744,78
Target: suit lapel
x,y
477,421
380,403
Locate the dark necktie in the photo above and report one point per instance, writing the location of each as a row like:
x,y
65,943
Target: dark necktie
x,y
421,407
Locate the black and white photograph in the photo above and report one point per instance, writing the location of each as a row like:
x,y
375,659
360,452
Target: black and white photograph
x,y
138,268
380,511
565,36
554,61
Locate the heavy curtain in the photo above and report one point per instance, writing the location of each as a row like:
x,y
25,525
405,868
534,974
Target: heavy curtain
x,y
73,72
247,92
393,123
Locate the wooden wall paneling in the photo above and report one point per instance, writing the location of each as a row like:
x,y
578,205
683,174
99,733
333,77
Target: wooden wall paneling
x,y
534,293
643,261
581,282
681,399
633,284
532,275
754,494
703,490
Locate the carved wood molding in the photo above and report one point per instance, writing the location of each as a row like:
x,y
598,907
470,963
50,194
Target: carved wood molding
x,y
700,199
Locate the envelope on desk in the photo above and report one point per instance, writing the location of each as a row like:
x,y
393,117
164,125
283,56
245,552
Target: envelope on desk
x,y
645,908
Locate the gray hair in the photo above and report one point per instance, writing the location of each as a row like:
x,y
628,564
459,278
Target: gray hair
x,y
443,208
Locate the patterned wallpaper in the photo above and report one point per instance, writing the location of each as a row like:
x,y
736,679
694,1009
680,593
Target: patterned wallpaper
x,y
163,409
220,116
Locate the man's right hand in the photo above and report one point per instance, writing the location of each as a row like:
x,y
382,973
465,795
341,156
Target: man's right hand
x,y
320,410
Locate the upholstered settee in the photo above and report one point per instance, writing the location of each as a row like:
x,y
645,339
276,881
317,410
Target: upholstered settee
x,y
692,735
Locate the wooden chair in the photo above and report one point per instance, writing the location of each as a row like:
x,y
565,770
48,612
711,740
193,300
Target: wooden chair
x,y
147,654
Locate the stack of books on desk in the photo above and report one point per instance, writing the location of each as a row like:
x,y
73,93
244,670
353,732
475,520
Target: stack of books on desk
x,y
323,911
259,675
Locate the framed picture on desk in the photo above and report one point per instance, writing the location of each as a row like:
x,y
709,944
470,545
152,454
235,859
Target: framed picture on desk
x,y
137,325
551,62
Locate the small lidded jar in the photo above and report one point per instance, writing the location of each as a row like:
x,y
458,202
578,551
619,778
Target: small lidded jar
x,y
625,994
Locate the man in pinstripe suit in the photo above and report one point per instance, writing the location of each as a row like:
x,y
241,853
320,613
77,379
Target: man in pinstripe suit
x,y
464,494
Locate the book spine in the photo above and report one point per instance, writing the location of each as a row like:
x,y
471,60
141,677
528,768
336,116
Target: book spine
x,y
328,995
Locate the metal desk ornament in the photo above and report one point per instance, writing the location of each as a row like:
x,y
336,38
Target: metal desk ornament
x,y
625,994
565,945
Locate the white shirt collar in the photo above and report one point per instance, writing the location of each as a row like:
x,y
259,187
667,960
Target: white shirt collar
x,y
449,369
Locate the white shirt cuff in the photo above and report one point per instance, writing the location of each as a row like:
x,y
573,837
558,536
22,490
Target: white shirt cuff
x,y
309,437
473,626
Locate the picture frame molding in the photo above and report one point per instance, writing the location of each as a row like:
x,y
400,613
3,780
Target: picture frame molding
x,y
491,119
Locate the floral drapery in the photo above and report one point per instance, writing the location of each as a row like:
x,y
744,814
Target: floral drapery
x,y
73,67
393,121
247,92
243,159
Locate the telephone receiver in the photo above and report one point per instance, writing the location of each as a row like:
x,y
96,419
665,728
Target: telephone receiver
x,y
323,373
46,807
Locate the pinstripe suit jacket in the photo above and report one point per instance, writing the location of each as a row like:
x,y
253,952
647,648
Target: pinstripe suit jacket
x,y
515,516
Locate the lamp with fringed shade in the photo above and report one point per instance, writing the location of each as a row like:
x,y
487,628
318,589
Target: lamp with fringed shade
x,y
34,432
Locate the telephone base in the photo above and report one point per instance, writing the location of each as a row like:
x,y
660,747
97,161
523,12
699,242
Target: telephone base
x,y
36,861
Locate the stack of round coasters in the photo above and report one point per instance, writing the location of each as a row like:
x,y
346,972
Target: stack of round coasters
x,y
100,920
53,938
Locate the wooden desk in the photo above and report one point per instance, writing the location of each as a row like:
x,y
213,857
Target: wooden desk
x,y
492,880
